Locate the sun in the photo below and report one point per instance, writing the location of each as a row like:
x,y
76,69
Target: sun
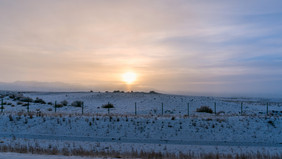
x,y
129,77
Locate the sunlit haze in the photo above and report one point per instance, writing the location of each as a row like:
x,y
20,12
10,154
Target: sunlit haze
x,y
129,77
204,47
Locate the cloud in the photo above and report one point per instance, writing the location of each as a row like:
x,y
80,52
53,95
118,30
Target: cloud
x,y
173,45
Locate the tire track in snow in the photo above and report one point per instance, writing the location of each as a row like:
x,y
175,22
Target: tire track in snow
x,y
145,141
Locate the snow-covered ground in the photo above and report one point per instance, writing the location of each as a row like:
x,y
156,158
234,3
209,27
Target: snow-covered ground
x,y
173,129
4,155
150,104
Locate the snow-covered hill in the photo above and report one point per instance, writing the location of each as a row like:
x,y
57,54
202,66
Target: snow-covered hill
x,y
172,128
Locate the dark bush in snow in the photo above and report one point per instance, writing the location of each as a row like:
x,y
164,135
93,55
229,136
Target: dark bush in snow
x,y
77,103
109,105
64,103
271,123
153,92
25,104
59,105
25,99
12,96
38,100
205,109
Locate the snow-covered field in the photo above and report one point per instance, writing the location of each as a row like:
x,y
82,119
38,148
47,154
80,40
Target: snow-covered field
x,y
165,124
29,156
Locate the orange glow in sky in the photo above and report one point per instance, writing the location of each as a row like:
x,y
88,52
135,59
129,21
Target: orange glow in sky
x,y
129,77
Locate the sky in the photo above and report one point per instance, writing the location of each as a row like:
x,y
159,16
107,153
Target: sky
x,y
203,47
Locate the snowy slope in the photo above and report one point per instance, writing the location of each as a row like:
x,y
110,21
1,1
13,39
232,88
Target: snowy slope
x,y
149,130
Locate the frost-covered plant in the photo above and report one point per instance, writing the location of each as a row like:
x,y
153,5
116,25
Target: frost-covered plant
x,y
64,103
38,100
60,105
205,109
25,104
77,103
25,99
11,118
109,105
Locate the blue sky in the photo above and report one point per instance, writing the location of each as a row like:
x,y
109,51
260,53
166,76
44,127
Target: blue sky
x,y
183,46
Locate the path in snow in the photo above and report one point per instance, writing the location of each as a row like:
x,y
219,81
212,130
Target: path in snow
x,y
145,141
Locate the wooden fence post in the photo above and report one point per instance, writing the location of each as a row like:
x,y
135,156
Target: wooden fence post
x,y
266,108
2,107
27,107
188,109
135,109
214,107
82,107
162,108
55,106
241,108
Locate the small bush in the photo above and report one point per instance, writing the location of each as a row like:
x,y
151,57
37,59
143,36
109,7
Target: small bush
x,y
12,96
205,109
38,100
109,105
25,99
64,103
153,92
49,109
221,113
11,118
25,104
271,123
77,103
50,103
59,105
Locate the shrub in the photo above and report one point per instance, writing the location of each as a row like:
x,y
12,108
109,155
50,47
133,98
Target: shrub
x,y
50,103
11,118
205,109
271,123
25,99
220,112
64,103
25,104
153,92
77,103
38,100
59,105
109,105
12,96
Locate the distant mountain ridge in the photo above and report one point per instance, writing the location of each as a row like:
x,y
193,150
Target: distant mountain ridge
x,y
40,86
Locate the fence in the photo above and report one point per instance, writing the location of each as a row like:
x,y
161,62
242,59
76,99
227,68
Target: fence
x,y
165,108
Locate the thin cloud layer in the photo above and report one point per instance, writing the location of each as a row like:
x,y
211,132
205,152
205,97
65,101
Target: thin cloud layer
x,y
209,47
